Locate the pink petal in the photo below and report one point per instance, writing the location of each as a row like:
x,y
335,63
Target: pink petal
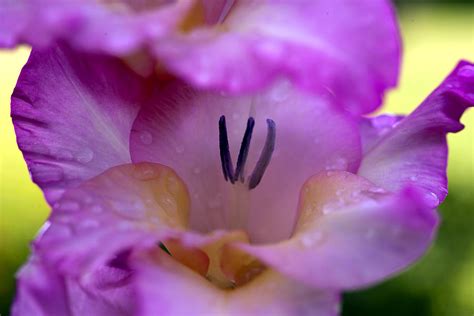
x,y
128,206
179,128
373,129
72,115
343,49
42,291
414,151
124,210
162,286
350,233
99,229
116,27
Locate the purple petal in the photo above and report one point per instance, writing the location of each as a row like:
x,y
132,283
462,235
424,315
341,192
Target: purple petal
x,y
116,27
162,287
179,128
351,234
126,210
36,285
414,150
73,115
342,49
346,50
42,291
374,129
128,206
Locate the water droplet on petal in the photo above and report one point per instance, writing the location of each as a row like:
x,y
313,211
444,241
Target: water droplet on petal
x,y
330,173
466,71
47,173
169,205
145,172
96,209
88,224
85,156
339,163
413,178
310,239
329,207
172,185
281,91
146,138
62,218
197,170
376,190
432,199
180,149
64,154
67,206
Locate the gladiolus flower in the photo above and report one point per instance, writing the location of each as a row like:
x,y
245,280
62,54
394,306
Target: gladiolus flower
x,y
172,200
346,48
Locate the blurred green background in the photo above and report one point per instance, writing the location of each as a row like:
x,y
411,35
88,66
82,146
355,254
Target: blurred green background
x,y
436,35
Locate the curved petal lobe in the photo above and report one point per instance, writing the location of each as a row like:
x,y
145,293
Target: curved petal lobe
x,y
414,150
127,206
270,293
346,50
73,115
350,233
116,27
43,291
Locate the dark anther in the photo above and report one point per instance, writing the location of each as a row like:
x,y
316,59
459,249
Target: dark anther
x,y
226,160
263,161
244,150
265,155
163,247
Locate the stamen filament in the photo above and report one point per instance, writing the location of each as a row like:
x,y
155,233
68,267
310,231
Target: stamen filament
x,y
265,155
226,160
244,150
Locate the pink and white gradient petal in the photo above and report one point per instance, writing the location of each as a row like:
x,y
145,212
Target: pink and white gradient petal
x,y
351,233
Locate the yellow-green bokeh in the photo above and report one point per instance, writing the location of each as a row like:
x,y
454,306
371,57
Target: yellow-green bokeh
x,y
434,38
